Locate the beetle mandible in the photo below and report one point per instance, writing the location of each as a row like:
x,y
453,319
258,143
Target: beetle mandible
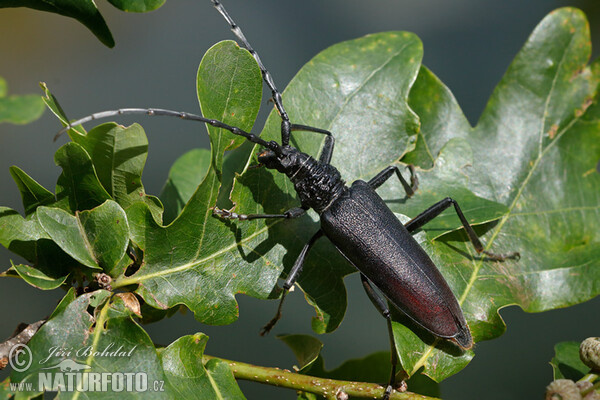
x,y
355,219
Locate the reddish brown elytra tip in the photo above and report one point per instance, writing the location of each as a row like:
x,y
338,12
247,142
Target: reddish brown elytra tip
x,y
464,339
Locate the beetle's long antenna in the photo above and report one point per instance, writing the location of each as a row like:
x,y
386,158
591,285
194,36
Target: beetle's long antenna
x,y
266,74
182,115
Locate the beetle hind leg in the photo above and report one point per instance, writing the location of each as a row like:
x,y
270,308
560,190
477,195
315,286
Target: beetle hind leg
x,y
437,209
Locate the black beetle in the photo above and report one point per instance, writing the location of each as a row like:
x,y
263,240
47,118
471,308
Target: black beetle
x,y
356,220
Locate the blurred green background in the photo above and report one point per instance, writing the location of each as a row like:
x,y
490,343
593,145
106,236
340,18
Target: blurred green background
x,y
468,44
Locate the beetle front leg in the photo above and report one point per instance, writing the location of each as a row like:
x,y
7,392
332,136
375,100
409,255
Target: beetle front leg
x,y
437,209
382,307
327,150
226,214
291,279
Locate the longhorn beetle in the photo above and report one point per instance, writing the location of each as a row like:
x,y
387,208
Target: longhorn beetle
x,y
355,219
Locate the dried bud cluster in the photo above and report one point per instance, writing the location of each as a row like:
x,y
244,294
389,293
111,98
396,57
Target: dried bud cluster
x,y
589,352
563,389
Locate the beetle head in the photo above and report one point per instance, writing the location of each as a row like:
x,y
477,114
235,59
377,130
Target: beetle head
x,y
278,158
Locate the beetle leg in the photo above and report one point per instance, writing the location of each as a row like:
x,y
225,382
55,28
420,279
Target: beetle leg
x,y
291,279
382,307
437,209
385,174
226,214
327,150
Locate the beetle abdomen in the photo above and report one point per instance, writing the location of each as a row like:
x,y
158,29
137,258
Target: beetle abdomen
x,y
369,235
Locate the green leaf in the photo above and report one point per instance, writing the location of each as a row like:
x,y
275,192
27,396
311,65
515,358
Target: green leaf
x,y
185,175
78,187
225,63
137,5
536,148
52,103
566,363
182,363
32,193
84,11
66,231
96,238
358,90
38,278
119,155
19,234
18,109
441,118
27,238
190,262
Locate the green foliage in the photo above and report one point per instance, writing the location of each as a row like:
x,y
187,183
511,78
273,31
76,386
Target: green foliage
x,y
86,12
18,109
566,363
178,367
525,177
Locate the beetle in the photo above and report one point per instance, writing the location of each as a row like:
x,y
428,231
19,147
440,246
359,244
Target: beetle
x,y
356,221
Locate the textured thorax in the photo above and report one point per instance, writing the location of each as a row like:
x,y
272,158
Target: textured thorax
x,y
317,184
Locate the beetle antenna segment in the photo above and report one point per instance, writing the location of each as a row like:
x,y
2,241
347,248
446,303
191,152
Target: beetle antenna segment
x,y
276,95
169,113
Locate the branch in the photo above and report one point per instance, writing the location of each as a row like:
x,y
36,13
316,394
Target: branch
x,y
22,335
329,388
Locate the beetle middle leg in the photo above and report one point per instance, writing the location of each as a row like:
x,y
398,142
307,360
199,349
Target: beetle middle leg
x,y
291,279
386,174
382,307
437,209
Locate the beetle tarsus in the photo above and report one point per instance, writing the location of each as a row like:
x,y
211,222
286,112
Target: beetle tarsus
x,y
267,328
226,214
388,392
